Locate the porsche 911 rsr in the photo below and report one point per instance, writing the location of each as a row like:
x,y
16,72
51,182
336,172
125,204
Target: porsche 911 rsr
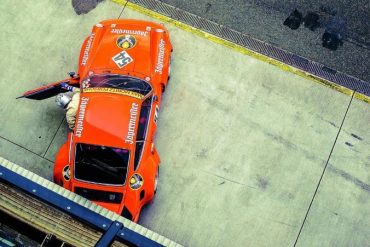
x,y
110,156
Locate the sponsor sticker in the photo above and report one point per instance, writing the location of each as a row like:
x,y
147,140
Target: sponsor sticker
x,y
113,90
159,64
126,31
87,50
66,173
122,59
132,123
126,42
136,181
86,83
81,116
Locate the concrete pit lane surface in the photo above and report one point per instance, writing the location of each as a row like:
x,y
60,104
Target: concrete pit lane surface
x,y
251,155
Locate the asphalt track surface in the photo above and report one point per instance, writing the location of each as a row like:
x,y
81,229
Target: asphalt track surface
x,y
251,155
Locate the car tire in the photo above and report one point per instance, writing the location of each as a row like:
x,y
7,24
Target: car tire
x,y
169,70
156,181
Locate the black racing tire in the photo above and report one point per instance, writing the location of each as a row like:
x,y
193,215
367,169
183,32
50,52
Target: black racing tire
x,y
169,75
169,69
156,181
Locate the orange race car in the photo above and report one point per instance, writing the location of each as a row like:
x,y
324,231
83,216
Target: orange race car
x,y
110,157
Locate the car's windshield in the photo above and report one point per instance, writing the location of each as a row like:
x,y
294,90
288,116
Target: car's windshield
x,y
119,82
101,164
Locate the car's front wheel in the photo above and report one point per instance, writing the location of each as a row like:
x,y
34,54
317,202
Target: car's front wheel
x,y
169,70
156,180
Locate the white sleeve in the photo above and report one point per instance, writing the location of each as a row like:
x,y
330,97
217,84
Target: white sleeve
x,y
72,110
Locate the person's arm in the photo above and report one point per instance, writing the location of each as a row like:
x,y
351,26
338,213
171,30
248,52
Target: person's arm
x,y
68,87
71,110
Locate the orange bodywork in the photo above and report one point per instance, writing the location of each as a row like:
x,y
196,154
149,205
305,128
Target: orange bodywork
x,y
115,117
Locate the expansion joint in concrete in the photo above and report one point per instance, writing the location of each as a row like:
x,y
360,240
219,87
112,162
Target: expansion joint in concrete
x,y
123,9
55,134
326,165
6,139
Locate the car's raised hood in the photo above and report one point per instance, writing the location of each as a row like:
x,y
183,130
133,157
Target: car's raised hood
x,y
105,44
107,119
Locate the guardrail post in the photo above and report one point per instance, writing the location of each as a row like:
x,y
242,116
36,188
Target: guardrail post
x,y
108,237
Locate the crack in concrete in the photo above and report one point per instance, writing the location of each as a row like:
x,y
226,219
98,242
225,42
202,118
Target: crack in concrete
x,y
283,223
227,179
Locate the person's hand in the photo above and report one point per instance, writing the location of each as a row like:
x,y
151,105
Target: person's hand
x,y
65,86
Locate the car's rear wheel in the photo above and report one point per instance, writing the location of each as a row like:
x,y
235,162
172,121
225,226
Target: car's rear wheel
x,y
156,181
169,75
169,69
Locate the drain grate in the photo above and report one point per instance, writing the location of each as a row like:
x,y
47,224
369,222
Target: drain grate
x,y
311,67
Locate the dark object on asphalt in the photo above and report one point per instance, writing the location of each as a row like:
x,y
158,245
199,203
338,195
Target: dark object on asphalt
x,y
334,32
84,6
311,21
208,7
294,20
331,41
328,10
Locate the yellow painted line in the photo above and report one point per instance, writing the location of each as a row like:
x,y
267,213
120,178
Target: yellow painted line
x,y
242,49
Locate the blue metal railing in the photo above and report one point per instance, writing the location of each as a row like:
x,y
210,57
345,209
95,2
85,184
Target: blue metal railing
x,y
112,230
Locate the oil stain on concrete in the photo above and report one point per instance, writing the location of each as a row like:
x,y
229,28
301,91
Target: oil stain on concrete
x,y
84,6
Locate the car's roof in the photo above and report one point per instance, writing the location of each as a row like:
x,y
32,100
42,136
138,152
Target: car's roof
x,y
107,119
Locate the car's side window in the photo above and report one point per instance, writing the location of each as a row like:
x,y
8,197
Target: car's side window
x,y
142,128
143,119
138,151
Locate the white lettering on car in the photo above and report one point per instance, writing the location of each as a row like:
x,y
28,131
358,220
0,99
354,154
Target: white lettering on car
x,y
126,31
132,123
159,65
87,50
81,116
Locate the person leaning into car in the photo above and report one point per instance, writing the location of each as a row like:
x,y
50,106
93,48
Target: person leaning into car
x,y
69,102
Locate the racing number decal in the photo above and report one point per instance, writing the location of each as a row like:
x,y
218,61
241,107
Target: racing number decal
x,y
122,59
156,114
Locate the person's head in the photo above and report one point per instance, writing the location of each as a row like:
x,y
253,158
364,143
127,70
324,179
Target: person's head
x,y
63,100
